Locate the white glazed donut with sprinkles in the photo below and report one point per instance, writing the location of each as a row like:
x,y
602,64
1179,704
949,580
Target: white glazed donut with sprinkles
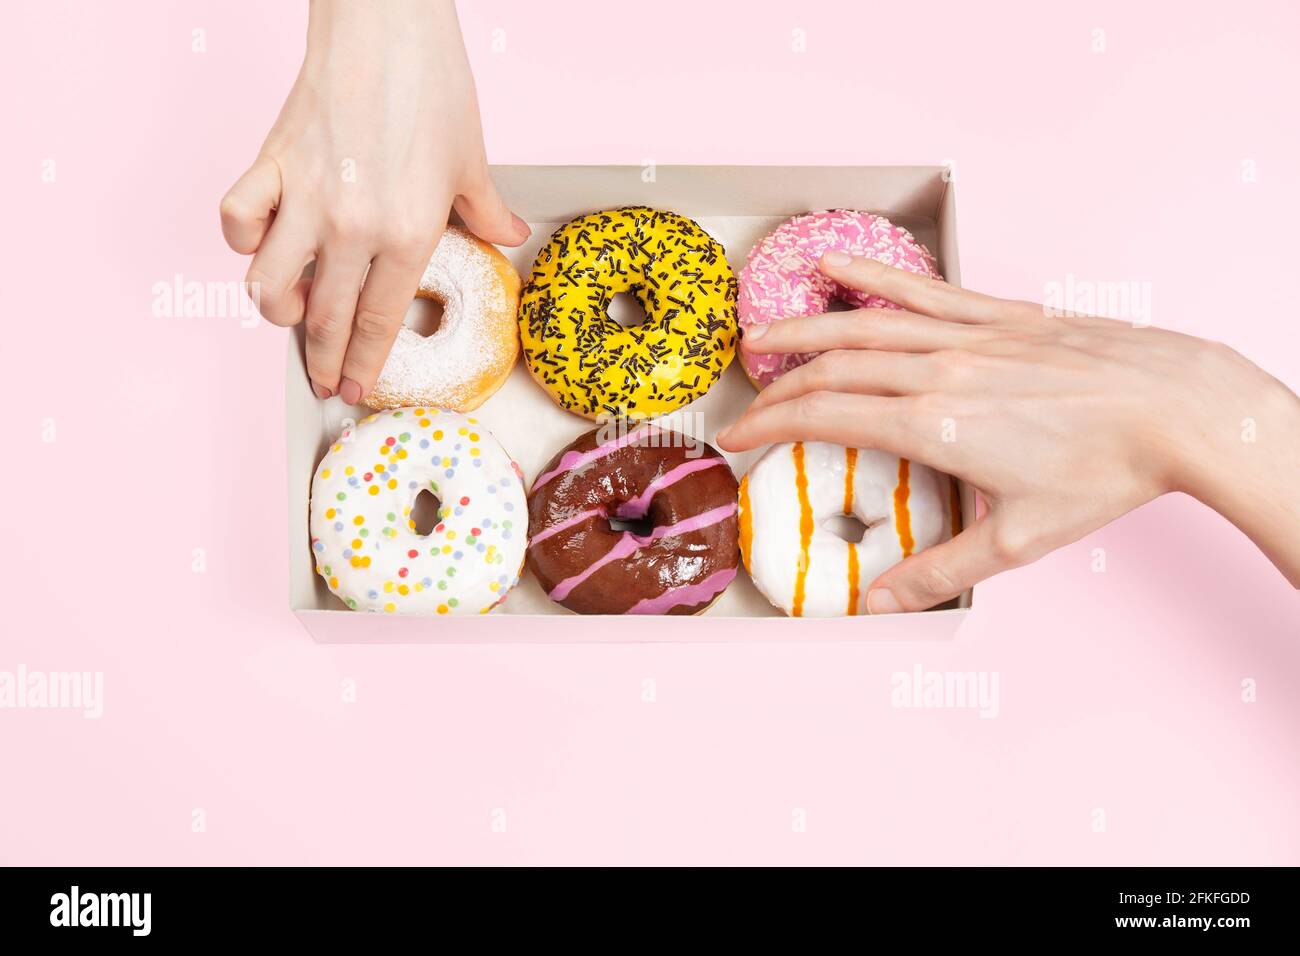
x,y
364,539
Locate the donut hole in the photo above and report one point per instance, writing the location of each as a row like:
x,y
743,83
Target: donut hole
x,y
849,527
626,310
424,512
641,527
840,305
424,316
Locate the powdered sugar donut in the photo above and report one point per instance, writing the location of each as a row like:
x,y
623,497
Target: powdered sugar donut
x,y
474,348
365,541
805,568
781,279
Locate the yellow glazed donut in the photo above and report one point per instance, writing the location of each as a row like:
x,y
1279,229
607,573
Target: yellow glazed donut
x,y
470,355
590,363
805,568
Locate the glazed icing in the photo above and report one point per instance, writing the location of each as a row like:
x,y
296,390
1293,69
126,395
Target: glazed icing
x,y
684,490
686,595
586,360
637,507
571,460
364,539
781,279
629,544
805,568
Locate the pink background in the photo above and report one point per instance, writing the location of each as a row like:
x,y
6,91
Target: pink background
x,y
1119,691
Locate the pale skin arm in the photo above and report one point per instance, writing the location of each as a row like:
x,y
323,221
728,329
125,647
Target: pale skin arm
x,y
378,139
1061,424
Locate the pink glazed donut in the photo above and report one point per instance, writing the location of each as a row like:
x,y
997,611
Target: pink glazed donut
x,y
781,279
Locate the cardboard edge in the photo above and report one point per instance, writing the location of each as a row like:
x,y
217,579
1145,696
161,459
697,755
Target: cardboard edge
x,y
340,627
299,402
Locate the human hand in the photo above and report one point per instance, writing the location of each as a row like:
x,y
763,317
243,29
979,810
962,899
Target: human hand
x,y
378,138
1062,424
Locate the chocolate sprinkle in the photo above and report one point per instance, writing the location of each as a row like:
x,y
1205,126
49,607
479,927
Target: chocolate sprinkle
x,y
677,273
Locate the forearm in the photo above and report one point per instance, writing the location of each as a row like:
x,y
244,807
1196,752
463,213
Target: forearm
x,y
329,14
1248,469
426,29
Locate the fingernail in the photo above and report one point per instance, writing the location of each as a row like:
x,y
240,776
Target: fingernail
x,y
521,227
350,391
837,259
321,391
755,331
882,601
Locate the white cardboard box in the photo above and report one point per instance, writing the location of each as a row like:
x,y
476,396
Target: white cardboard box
x,y
737,205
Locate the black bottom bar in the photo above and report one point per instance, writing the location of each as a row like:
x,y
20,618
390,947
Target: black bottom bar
x,y
1168,906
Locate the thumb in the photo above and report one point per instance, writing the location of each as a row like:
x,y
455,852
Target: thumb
x,y
944,571
486,214
247,209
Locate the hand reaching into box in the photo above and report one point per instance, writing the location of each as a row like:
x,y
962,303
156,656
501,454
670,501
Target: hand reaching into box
x,y
378,139
1062,423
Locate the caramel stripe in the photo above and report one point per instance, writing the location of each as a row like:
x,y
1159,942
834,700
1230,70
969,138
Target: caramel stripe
x,y
746,524
902,517
805,530
850,462
853,579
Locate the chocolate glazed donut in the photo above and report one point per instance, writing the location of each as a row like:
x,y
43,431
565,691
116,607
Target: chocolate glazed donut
x,y
676,497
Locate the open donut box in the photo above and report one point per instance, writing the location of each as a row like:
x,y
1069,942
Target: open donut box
x,y
737,205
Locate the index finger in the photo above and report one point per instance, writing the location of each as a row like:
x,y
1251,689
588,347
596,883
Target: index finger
x,y
919,293
883,330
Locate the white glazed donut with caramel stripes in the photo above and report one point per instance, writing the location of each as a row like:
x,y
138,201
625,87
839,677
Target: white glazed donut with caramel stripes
x,y
793,491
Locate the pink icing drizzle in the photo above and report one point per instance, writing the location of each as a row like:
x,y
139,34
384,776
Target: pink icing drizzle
x,y
569,522
688,595
571,460
634,507
629,543
638,506
781,279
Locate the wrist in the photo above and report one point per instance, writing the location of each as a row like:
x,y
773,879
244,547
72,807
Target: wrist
x,y
1241,457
